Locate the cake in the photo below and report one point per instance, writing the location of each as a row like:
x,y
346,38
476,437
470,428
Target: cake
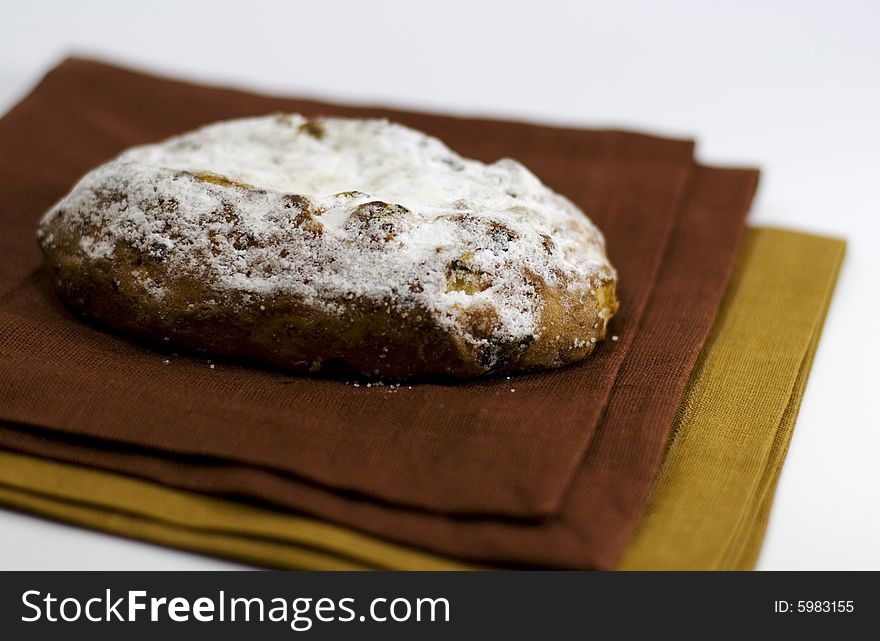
x,y
332,245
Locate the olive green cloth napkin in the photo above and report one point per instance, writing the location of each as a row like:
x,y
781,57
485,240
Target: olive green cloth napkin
x,y
709,509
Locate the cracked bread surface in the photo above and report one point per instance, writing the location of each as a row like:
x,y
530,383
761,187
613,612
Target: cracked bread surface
x,y
332,245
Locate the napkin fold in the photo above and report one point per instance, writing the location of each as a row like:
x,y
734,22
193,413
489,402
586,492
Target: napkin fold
x,y
468,449
708,511
151,512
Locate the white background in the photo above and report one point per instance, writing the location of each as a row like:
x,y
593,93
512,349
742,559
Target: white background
x,y
792,87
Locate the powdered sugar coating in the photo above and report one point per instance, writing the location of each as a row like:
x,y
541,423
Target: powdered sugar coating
x,y
333,209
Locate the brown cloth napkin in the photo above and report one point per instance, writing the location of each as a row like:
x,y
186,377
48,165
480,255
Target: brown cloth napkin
x,y
708,510
612,482
472,448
